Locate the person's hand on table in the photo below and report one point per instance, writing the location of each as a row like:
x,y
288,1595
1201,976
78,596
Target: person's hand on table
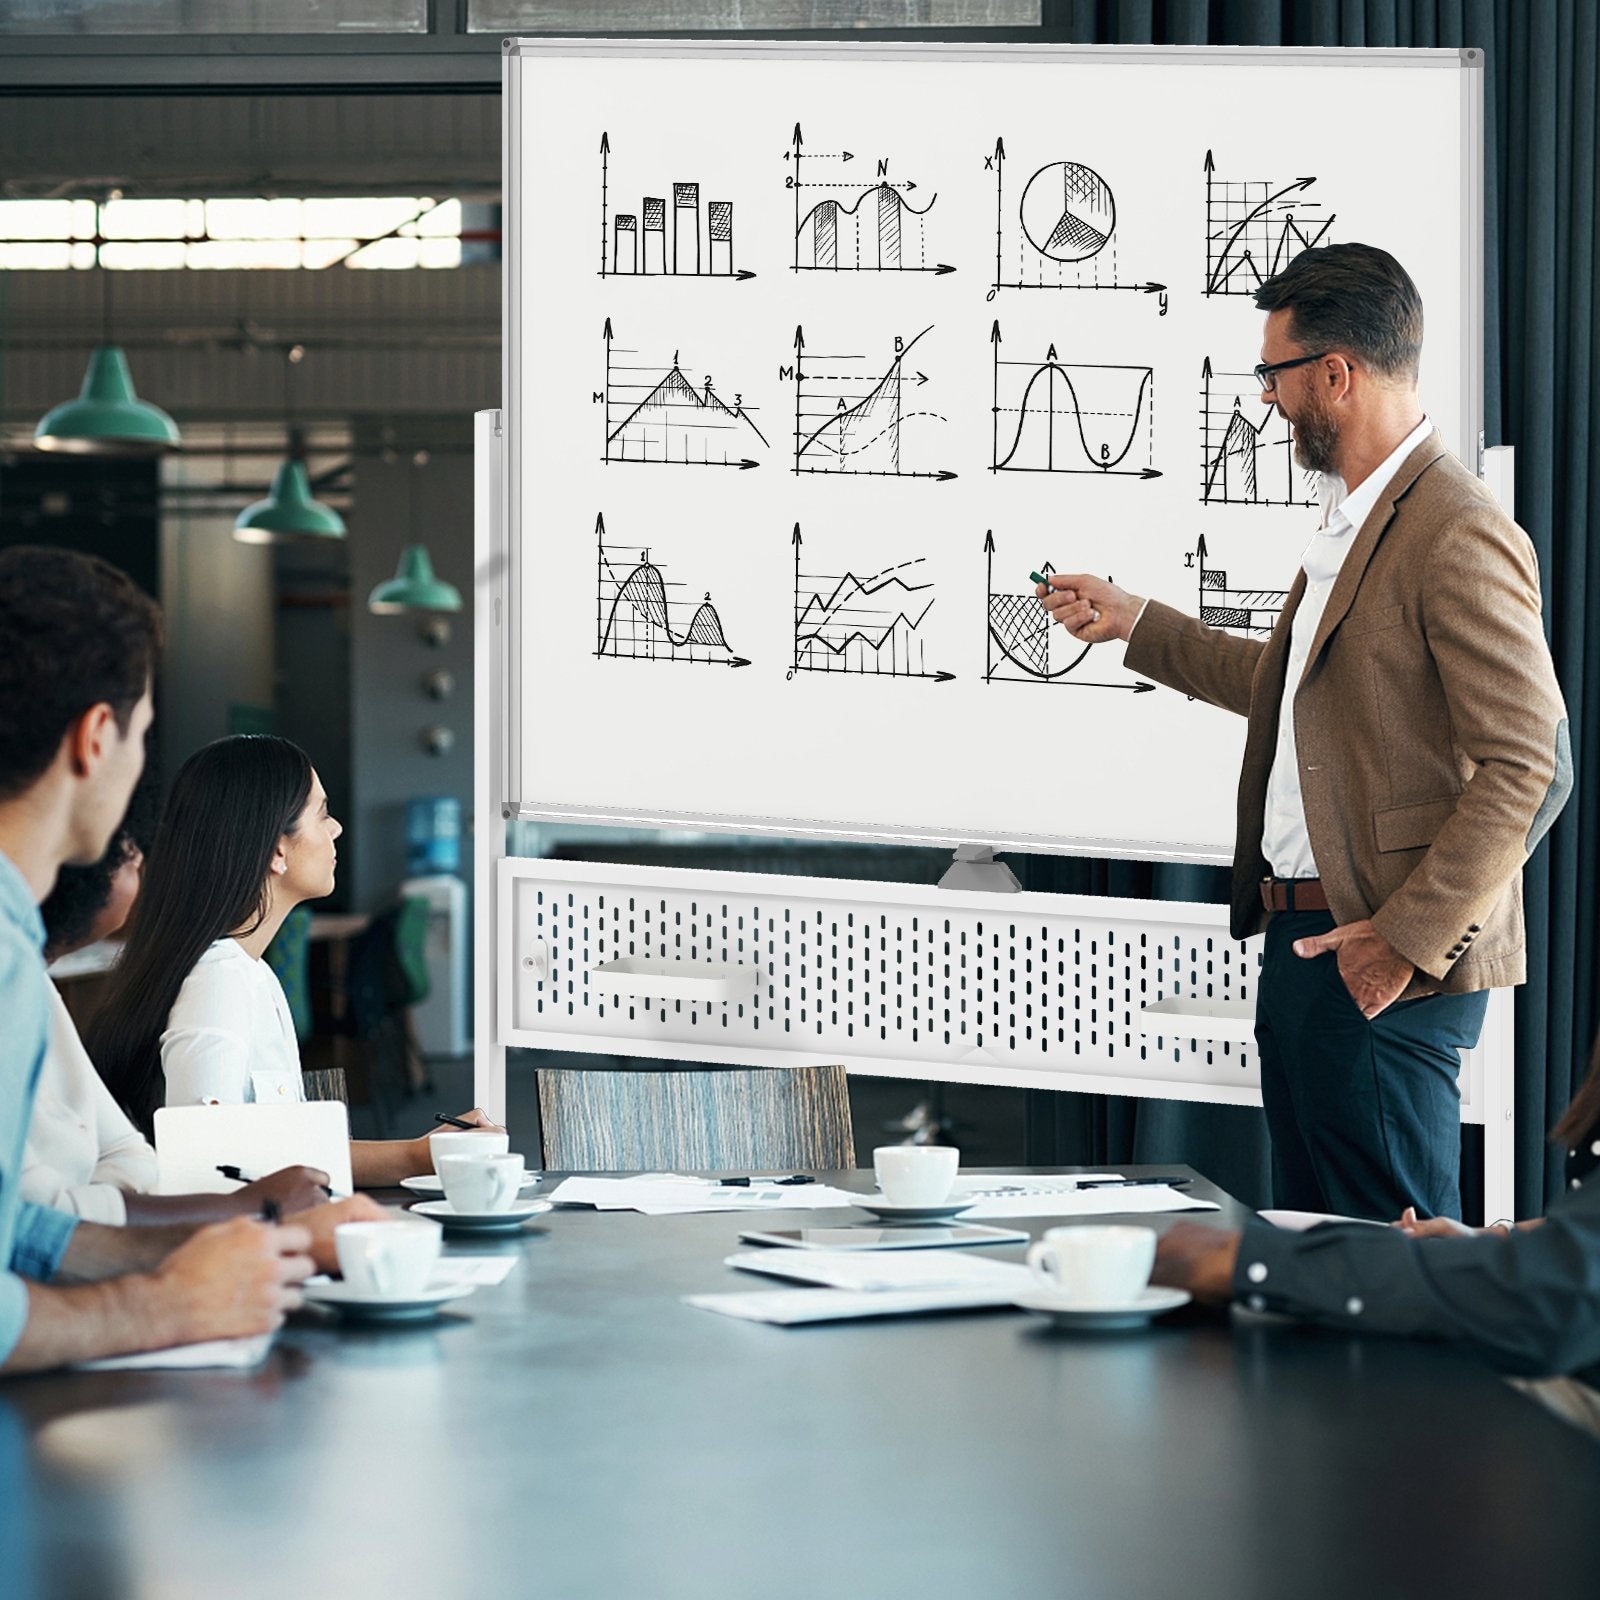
x,y
231,1281
1191,1256
1374,972
1448,1228
289,1189
423,1151
318,1224
1091,609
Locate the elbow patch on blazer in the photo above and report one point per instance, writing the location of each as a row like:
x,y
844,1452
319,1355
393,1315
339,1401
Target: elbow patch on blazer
x,y
1555,797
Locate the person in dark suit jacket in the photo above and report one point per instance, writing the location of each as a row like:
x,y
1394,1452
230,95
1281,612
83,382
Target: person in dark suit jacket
x,y
1526,1296
1406,751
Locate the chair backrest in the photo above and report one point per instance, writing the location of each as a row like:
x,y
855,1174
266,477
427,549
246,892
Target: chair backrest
x,y
707,1118
289,956
325,1083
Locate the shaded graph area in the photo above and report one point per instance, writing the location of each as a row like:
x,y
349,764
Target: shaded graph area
x,y
1222,605
850,420
870,626
845,224
1023,645
1055,416
656,415
1255,228
1059,231
641,616
670,234
1247,449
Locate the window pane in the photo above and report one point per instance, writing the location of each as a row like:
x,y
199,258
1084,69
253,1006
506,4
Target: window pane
x,y
46,219
142,257
391,253
253,219
613,16
242,253
152,219
36,257
214,16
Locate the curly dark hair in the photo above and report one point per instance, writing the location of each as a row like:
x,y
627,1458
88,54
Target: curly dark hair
x,y
80,893
74,633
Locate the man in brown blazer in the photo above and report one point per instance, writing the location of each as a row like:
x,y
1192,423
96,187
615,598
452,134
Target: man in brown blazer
x,y
1406,750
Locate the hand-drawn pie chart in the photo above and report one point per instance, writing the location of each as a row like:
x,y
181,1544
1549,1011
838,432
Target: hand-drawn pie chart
x,y
1068,211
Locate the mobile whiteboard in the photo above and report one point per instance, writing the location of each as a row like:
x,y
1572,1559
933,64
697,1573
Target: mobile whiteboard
x,y
816,351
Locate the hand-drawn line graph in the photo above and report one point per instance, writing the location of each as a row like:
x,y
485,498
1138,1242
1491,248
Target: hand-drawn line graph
x,y
1254,229
870,626
656,415
1065,231
1245,462
1023,645
636,244
637,618
880,230
850,423
1076,417
1242,610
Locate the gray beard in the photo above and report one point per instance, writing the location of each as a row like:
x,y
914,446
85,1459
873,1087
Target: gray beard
x,y
1316,442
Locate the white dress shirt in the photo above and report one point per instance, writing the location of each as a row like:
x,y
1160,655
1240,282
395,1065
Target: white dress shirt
x,y
230,1038
1284,841
83,1154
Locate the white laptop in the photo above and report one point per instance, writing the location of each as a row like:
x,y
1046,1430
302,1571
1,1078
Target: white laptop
x,y
193,1141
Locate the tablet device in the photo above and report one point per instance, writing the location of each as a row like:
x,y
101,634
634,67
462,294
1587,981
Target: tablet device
x,y
937,1236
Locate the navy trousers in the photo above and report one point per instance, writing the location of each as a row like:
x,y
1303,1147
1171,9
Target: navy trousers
x,y
1365,1117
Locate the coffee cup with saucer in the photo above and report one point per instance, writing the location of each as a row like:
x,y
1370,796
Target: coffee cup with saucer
x,y
914,1182
1097,1278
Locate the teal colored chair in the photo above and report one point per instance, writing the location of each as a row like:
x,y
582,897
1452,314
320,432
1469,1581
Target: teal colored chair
x,y
289,956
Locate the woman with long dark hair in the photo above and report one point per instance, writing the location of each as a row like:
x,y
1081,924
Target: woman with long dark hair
x,y
192,1013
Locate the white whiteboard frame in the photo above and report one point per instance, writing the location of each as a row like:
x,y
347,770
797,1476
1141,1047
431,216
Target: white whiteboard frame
x,y
1469,446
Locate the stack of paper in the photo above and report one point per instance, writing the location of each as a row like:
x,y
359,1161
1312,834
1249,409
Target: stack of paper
x,y
249,1352
1077,1195
866,1285
665,1194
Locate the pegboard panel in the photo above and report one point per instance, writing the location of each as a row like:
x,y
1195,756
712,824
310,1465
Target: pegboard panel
x,y
1035,990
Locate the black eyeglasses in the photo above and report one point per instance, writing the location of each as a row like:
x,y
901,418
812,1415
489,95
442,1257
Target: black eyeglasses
x,y
1267,376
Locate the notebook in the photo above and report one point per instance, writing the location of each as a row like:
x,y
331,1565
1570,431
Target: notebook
x,y
193,1141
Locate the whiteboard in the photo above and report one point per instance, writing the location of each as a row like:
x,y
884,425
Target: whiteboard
x,y
816,351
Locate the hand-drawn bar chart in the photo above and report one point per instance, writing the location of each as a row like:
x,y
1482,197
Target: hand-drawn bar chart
x,y
640,243
1222,605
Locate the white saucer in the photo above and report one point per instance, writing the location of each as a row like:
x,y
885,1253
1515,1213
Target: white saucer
x,y
1070,1313
369,1306
888,1211
432,1183
480,1221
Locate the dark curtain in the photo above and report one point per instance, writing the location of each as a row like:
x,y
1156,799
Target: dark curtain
x,y
1542,363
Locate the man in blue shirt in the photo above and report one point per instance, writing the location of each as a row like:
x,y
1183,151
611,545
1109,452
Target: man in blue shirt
x,y
78,647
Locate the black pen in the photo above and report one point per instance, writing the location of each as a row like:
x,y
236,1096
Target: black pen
x,y
1131,1183
455,1122
744,1183
237,1174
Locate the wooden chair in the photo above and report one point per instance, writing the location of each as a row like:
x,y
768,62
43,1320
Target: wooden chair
x,y
715,1119
325,1083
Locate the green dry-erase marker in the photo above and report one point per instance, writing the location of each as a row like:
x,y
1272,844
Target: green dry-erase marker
x,y
1037,579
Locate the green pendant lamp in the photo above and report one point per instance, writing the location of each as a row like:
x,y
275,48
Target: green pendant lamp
x,y
414,587
290,511
108,418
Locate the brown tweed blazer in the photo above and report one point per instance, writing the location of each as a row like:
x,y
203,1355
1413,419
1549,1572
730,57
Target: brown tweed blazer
x,y
1431,732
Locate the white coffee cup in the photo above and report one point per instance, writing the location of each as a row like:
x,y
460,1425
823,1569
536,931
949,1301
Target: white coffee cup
x,y
475,1183
388,1257
1095,1266
915,1174
457,1141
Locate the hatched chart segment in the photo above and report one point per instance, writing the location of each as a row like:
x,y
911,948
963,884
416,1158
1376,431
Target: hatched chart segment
x,y
1244,461
1254,229
636,242
1241,610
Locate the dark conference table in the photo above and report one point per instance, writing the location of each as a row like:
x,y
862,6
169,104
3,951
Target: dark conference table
x,y
577,1432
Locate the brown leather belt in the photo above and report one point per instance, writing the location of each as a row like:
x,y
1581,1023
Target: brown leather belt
x,y
1293,894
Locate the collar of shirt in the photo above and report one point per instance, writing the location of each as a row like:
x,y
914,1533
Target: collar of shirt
x,y
16,903
1344,511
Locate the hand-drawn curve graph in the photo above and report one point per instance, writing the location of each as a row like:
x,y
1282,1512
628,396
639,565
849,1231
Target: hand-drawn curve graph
x,y
1223,606
636,243
859,226
1023,644
870,626
1254,229
1245,462
1064,226
855,423
638,618
1055,417
657,416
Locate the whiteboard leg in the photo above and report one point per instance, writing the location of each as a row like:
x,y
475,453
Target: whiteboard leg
x,y
1499,1107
